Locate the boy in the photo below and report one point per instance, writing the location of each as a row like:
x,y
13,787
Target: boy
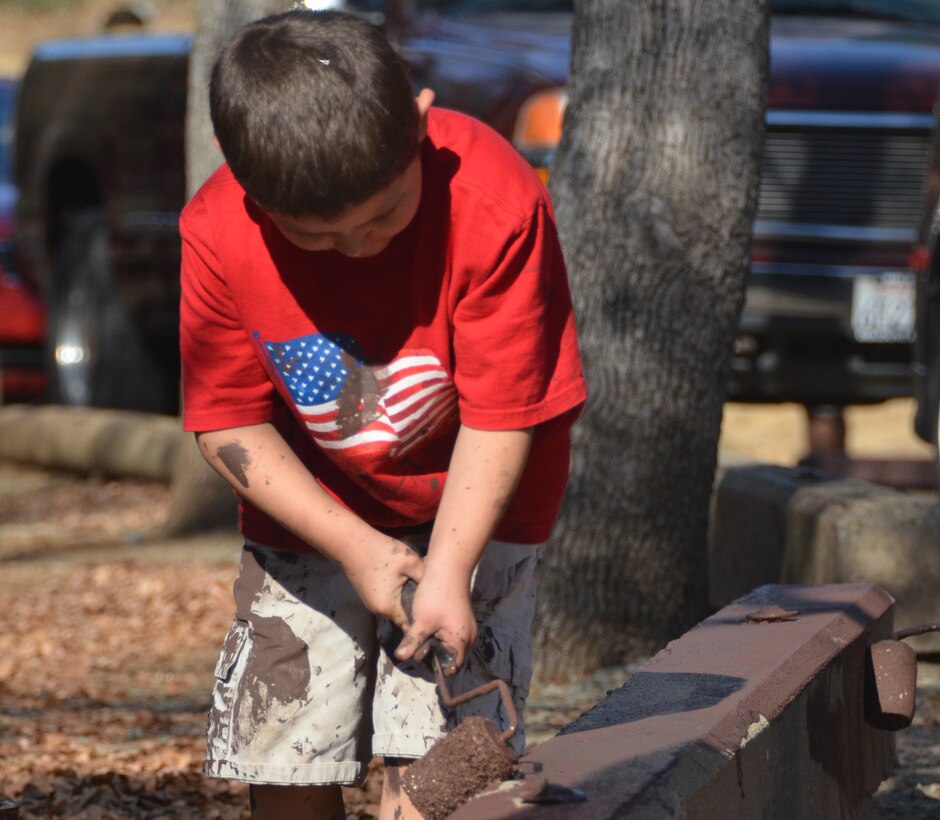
x,y
380,357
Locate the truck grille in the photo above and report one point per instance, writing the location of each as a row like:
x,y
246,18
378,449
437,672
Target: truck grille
x,y
862,179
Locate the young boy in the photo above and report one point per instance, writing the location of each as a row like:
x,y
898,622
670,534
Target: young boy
x,y
379,355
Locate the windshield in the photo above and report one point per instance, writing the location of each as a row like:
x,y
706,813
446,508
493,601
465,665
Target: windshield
x,y
923,11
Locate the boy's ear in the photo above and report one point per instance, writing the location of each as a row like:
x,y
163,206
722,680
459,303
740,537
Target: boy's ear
x,y
423,103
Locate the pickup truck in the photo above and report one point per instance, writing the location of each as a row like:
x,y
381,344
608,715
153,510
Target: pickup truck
x,y
22,314
829,317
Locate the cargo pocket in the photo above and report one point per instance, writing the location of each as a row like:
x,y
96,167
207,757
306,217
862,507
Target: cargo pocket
x,y
504,598
498,653
506,654
505,585
219,726
231,650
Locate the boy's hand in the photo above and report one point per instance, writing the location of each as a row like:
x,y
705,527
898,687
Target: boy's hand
x,y
379,572
441,610
485,467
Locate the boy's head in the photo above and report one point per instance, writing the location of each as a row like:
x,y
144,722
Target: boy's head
x,y
313,112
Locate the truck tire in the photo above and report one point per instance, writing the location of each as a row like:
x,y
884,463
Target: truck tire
x,y
96,356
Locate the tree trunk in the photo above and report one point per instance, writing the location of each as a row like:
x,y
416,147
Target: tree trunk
x,y
655,187
200,499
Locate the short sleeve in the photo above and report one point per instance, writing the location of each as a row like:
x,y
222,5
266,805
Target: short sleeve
x,y
224,383
516,358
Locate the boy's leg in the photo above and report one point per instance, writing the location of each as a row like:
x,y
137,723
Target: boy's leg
x,y
407,713
297,802
396,805
294,683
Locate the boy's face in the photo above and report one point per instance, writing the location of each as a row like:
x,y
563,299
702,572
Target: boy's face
x,y
365,229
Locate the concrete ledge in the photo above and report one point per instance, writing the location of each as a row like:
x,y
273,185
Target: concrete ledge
x,y
87,440
776,524
735,719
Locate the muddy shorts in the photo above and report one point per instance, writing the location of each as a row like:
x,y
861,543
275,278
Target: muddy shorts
x,y
307,688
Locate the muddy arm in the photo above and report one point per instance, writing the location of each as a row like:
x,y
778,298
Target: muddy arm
x,y
262,468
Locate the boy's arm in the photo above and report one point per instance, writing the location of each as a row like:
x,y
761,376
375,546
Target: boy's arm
x,y
484,470
262,468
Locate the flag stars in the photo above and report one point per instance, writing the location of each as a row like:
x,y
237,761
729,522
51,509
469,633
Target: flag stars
x,y
312,367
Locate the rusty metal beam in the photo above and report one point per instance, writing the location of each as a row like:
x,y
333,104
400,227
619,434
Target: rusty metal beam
x,y
756,712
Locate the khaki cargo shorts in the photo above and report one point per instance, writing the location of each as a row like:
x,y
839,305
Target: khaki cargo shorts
x,y
307,689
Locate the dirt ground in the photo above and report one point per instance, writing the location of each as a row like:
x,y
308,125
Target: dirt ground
x,y
111,636
107,656
777,433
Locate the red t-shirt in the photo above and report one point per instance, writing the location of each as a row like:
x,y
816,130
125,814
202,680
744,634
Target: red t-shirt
x,y
368,366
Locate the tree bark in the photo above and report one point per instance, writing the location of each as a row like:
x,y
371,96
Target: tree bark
x,y
655,186
199,498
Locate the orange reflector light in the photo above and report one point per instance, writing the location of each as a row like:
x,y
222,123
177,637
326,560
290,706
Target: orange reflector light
x,y
540,119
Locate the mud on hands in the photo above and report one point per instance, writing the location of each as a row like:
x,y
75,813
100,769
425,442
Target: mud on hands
x,y
442,656
261,467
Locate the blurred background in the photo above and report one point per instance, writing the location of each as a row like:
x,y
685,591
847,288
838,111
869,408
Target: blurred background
x,y
23,23
776,430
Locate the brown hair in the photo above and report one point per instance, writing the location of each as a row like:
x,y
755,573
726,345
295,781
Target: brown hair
x,y
313,111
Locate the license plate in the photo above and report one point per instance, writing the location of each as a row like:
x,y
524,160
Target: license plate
x,y
883,308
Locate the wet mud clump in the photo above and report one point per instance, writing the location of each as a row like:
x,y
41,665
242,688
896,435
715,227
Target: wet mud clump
x,y
458,767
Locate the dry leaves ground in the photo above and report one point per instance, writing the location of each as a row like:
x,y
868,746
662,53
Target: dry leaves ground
x,y
106,652
913,791
107,648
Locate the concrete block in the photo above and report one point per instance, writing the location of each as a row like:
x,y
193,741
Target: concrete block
x,y
748,532
777,524
735,719
90,440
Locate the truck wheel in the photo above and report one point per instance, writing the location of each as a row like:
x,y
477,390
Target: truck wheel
x,y
96,356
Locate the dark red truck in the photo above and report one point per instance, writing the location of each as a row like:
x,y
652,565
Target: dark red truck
x,y
829,318
22,314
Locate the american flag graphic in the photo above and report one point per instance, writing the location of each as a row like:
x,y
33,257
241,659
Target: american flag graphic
x,y
349,404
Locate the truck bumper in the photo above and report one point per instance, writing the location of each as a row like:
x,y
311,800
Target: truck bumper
x,y
799,340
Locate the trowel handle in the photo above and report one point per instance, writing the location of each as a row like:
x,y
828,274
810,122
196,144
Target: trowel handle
x,y
408,598
439,652
441,658
910,632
